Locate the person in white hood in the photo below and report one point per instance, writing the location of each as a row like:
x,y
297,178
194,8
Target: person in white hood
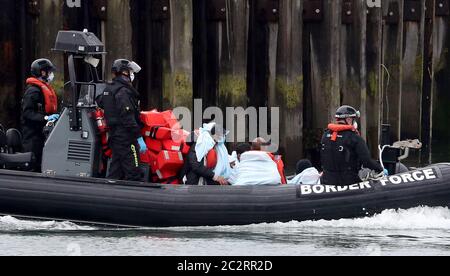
x,y
306,174
255,168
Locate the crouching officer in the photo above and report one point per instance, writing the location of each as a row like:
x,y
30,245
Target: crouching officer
x,y
120,102
39,106
344,151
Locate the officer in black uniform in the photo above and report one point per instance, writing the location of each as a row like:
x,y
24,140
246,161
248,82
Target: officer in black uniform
x,y
34,114
120,102
344,151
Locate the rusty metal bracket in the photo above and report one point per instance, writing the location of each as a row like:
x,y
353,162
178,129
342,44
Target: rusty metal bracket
x,y
442,7
347,12
313,10
412,11
216,10
100,9
393,14
34,7
160,10
268,10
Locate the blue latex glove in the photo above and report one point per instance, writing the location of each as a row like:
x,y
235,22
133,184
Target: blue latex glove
x,y
53,118
142,145
386,172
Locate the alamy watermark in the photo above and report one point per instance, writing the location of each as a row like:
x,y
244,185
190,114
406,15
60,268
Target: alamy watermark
x,y
243,124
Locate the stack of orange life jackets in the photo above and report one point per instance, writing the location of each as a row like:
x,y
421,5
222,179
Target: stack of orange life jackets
x,y
166,143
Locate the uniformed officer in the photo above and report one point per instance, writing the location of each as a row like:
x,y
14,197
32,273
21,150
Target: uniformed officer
x,y
39,106
120,102
344,151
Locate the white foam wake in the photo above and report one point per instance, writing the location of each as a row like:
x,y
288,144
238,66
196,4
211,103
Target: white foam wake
x,y
416,218
11,224
420,218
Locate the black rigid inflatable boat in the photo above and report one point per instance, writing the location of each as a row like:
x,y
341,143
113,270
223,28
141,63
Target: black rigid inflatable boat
x,y
104,202
70,187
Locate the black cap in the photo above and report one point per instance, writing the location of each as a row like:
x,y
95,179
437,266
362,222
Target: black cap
x,y
243,148
40,65
302,165
219,130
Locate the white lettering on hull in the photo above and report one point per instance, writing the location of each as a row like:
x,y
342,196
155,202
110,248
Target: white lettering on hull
x,y
412,177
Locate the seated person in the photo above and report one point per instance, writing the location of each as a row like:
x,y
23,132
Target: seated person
x,y
255,168
260,144
306,174
236,159
207,161
236,156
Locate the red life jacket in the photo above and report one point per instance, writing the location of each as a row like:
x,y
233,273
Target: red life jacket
x,y
211,159
280,167
50,98
99,116
337,128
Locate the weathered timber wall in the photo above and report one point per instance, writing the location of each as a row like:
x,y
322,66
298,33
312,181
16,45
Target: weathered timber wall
x,y
305,56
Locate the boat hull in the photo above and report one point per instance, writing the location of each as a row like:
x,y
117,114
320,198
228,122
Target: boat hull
x,y
105,202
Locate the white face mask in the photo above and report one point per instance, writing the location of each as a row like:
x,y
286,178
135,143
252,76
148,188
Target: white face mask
x,y
355,124
132,76
51,77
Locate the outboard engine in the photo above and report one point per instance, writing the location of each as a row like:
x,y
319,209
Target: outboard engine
x,y
73,147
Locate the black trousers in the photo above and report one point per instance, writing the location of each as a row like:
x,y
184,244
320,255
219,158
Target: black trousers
x,y
34,143
125,158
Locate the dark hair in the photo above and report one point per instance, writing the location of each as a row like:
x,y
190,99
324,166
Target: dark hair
x,y
243,148
302,165
219,130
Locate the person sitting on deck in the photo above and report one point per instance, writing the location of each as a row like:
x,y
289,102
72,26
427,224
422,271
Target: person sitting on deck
x,y
260,144
255,168
207,161
306,174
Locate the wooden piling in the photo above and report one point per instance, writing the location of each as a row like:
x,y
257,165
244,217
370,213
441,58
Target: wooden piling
x,y
9,75
322,80
353,70
46,29
177,76
441,83
118,33
412,69
392,65
289,80
427,83
373,61
232,81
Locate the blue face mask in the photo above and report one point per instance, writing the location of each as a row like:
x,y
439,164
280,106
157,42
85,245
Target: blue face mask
x,y
221,140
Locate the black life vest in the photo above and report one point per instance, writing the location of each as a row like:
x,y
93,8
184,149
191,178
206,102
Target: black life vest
x,y
108,103
337,155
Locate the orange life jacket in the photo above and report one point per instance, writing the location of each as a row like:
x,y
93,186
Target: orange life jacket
x,y
337,128
211,159
280,167
50,98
